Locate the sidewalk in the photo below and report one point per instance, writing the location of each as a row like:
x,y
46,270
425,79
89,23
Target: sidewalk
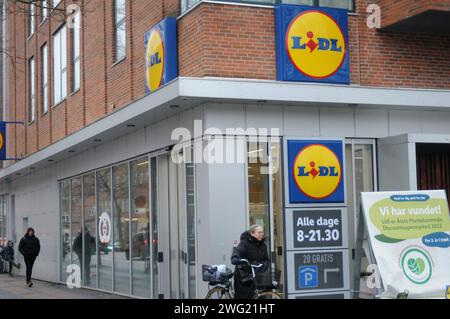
x,y
14,288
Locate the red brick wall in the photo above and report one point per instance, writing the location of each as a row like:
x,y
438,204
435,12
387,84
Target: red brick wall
x,y
394,11
213,40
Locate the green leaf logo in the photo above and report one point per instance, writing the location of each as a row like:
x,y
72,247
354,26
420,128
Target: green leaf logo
x,y
385,239
417,265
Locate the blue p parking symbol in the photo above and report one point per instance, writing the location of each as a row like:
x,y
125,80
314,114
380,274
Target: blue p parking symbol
x,y
308,276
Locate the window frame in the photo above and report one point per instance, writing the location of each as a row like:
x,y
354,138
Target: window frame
x,y
31,89
117,25
31,20
44,10
62,70
44,79
76,56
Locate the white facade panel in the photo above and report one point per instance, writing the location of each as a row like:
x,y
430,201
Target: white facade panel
x,y
371,123
337,122
301,121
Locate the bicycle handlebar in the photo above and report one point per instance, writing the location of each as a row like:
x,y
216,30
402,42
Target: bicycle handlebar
x,y
253,266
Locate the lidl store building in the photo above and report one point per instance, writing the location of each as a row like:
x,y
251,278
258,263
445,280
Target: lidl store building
x,y
286,136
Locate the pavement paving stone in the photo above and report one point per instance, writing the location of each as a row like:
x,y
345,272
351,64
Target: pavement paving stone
x,y
15,288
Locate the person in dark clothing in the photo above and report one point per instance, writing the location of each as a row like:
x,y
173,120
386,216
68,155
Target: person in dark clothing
x,y
8,255
89,248
29,247
253,248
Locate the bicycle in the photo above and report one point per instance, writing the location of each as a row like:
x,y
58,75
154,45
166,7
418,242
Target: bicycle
x,y
222,284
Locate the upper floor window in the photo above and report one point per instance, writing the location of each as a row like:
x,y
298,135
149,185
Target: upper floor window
x,y
31,14
55,3
44,93
343,4
32,95
59,65
44,10
120,29
76,67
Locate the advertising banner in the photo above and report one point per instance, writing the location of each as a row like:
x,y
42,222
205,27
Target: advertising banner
x,y
410,237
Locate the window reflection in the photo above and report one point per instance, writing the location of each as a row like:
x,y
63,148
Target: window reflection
x,y
121,229
76,210
89,241
65,229
139,250
104,229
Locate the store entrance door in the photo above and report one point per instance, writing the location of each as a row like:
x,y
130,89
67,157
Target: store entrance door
x,y
169,223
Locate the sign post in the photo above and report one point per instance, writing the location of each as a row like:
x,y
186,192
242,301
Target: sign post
x,y
316,228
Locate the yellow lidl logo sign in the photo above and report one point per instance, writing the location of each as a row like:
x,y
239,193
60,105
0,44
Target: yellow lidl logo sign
x,y
161,62
316,170
1,140
316,44
312,44
155,60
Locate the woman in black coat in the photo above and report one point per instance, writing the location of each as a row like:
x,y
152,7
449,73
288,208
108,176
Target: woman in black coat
x,y
29,247
253,248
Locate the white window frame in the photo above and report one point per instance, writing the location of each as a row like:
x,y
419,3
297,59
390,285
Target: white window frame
x,y
60,65
32,89
31,14
118,24
76,48
44,8
44,56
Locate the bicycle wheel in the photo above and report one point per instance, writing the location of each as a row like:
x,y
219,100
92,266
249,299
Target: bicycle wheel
x,y
218,293
267,295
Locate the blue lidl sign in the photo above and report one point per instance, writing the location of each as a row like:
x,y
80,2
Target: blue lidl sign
x,y
2,141
161,57
312,44
315,171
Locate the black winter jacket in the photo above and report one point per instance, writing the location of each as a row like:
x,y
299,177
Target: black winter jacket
x,y
256,253
29,245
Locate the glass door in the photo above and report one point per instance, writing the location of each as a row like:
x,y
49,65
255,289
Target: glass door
x,y
175,233
161,228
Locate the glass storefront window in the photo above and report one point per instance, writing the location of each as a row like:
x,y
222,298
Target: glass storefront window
x,y
258,187
360,174
191,229
104,222
121,229
90,232
277,212
154,234
139,250
3,237
65,229
76,222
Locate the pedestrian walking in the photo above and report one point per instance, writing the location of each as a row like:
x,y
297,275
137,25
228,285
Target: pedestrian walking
x,y
29,247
